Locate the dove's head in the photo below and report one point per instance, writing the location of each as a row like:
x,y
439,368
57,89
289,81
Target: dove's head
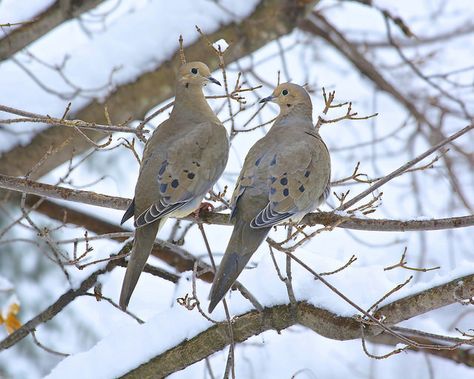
x,y
290,97
195,74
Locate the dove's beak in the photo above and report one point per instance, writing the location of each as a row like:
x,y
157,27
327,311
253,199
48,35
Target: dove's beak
x,y
213,80
266,99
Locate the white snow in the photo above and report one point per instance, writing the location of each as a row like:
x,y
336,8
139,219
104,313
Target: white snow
x,y
124,349
12,11
221,45
137,36
92,59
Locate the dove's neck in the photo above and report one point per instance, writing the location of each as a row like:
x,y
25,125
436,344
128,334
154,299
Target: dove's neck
x,y
191,104
297,116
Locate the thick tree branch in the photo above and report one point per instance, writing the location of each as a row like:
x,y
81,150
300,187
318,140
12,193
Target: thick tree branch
x,y
316,24
281,317
278,317
59,12
428,300
270,20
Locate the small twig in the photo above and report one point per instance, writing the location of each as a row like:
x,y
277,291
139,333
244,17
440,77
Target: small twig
x,y
182,57
388,294
230,367
98,296
351,260
404,167
45,348
77,124
354,305
402,264
153,115
385,356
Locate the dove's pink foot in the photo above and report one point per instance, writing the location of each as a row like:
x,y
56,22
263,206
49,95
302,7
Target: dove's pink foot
x,y
204,207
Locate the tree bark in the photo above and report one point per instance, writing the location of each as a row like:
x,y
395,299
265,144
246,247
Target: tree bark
x,y
271,19
59,12
280,317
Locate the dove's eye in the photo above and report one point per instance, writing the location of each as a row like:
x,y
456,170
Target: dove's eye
x,y
194,70
284,92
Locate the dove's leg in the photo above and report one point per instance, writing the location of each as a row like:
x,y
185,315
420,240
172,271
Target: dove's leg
x,y
204,207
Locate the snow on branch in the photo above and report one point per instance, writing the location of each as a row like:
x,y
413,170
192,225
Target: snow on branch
x,y
196,340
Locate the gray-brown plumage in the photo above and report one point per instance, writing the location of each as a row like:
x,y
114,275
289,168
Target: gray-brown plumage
x,y
181,162
285,175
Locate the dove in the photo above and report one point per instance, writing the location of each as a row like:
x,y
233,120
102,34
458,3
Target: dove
x,y
182,160
285,175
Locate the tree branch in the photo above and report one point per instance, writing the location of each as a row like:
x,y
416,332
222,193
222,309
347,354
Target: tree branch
x,y
172,254
37,118
319,218
317,24
405,167
52,17
428,300
270,20
279,317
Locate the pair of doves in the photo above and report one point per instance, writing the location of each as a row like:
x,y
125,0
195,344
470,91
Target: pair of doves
x,y
285,175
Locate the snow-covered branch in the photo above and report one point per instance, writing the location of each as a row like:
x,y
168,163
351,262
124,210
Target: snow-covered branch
x,y
214,338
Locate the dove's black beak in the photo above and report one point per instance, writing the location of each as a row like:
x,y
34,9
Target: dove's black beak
x,y
266,99
215,81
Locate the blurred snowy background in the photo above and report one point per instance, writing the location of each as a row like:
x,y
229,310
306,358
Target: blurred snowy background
x,y
104,49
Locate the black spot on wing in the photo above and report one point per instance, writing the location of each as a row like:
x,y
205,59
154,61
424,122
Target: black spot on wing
x,y
163,187
286,192
306,174
163,167
257,162
175,183
284,181
191,175
274,160
301,188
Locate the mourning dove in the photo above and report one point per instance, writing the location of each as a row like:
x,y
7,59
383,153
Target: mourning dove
x,y
182,160
285,175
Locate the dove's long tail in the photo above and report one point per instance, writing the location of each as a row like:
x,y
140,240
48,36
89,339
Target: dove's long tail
x,y
142,245
243,243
